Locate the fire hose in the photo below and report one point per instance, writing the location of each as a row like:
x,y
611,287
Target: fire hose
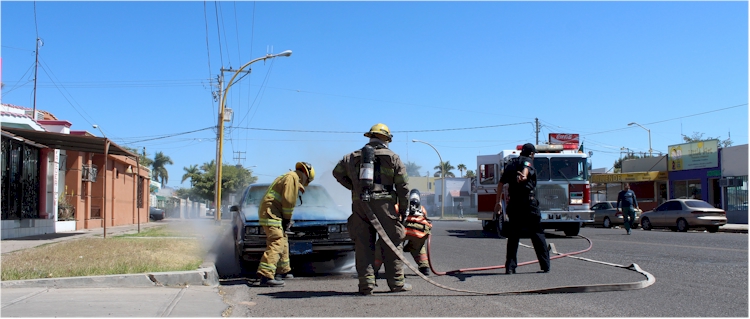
x,y
561,289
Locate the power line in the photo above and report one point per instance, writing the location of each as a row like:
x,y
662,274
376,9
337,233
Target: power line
x,y
170,135
359,132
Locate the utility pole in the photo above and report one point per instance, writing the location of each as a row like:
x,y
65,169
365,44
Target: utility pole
x,y
239,158
220,142
36,72
537,130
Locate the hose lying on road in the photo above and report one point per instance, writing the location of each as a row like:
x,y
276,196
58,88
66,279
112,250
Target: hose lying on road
x,y
562,289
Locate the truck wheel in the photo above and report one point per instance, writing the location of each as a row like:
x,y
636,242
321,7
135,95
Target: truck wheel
x,y
572,230
499,227
487,225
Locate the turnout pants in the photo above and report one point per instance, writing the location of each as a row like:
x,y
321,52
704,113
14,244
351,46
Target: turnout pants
x,y
417,247
275,259
364,236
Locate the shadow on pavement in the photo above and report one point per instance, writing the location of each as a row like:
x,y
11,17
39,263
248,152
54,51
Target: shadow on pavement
x,y
48,236
306,294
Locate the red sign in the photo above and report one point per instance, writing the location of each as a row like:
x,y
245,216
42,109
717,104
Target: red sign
x,y
563,138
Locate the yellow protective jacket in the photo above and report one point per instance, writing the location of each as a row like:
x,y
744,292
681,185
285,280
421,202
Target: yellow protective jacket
x,y
279,200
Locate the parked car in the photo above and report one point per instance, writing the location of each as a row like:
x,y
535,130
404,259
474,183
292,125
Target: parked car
x,y
319,230
606,215
683,214
156,213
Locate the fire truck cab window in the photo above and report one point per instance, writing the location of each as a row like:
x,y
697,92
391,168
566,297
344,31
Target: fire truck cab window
x,y
487,174
541,165
573,169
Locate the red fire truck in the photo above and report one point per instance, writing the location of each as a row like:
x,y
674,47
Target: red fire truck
x,y
563,188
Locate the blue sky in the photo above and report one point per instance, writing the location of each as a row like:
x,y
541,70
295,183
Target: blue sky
x,y
429,70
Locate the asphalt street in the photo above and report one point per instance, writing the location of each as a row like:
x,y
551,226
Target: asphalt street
x,y
697,274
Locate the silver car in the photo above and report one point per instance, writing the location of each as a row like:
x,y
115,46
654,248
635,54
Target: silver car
x,y
683,214
606,215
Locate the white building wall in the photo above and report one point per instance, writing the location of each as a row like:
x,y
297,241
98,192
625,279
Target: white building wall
x,y
734,161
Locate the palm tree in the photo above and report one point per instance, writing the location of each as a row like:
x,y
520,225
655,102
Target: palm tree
x,y
470,173
461,168
159,167
190,172
412,169
444,166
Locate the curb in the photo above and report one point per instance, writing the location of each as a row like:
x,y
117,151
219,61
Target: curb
x,y
207,276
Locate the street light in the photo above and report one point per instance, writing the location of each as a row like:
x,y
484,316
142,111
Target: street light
x,y
100,130
220,140
442,170
650,151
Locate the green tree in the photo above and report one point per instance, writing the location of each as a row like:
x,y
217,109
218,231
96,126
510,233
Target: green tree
x,y
233,180
159,171
142,157
412,169
461,168
444,166
470,173
190,172
697,137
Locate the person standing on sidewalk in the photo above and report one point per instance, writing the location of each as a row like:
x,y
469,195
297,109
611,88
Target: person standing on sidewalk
x,y
629,204
460,210
275,215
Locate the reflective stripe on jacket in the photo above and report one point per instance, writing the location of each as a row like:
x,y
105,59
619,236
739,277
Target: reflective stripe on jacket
x,y
279,200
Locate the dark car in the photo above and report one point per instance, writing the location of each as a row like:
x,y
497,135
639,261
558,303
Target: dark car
x,y
319,229
156,213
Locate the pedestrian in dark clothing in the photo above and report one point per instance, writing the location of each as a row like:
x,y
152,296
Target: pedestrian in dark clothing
x,y
524,218
629,204
460,210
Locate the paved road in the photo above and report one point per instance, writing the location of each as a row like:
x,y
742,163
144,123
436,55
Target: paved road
x,y
697,274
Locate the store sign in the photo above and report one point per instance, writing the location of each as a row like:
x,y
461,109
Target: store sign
x,y
563,138
695,155
629,177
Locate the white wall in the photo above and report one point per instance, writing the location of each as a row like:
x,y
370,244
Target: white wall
x,y
734,161
648,164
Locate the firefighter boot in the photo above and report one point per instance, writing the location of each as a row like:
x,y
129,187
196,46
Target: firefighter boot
x,y
268,282
405,287
281,277
425,270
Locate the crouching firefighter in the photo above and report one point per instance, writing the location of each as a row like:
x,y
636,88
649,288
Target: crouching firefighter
x,y
377,178
417,229
275,215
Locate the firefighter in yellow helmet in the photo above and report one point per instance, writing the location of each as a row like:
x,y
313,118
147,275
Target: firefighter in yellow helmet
x,y
275,215
377,178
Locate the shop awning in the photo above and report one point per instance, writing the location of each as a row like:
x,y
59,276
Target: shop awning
x,y
90,144
629,177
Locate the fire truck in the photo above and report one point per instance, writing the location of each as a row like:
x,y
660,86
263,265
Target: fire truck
x,y
562,188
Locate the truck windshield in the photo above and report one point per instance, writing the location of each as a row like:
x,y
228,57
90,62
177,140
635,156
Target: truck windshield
x,y
541,165
568,168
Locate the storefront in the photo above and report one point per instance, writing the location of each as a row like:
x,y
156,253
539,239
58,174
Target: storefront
x,y
650,188
694,171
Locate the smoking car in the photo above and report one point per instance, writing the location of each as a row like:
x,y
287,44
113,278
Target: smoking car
x,y
319,231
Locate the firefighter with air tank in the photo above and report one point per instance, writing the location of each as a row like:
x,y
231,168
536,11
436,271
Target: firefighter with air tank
x,y
377,179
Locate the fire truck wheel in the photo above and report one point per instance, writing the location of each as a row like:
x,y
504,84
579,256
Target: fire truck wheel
x,y
572,230
487,225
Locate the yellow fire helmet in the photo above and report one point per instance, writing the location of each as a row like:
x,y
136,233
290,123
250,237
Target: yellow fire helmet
x,y
382,130
308,169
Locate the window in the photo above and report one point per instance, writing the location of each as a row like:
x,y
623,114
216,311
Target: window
x,y
541,166
487,174
674,205
687,189
698,204
567,169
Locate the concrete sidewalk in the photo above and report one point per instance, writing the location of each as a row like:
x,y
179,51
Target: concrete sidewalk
x,y
191,301
164,294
